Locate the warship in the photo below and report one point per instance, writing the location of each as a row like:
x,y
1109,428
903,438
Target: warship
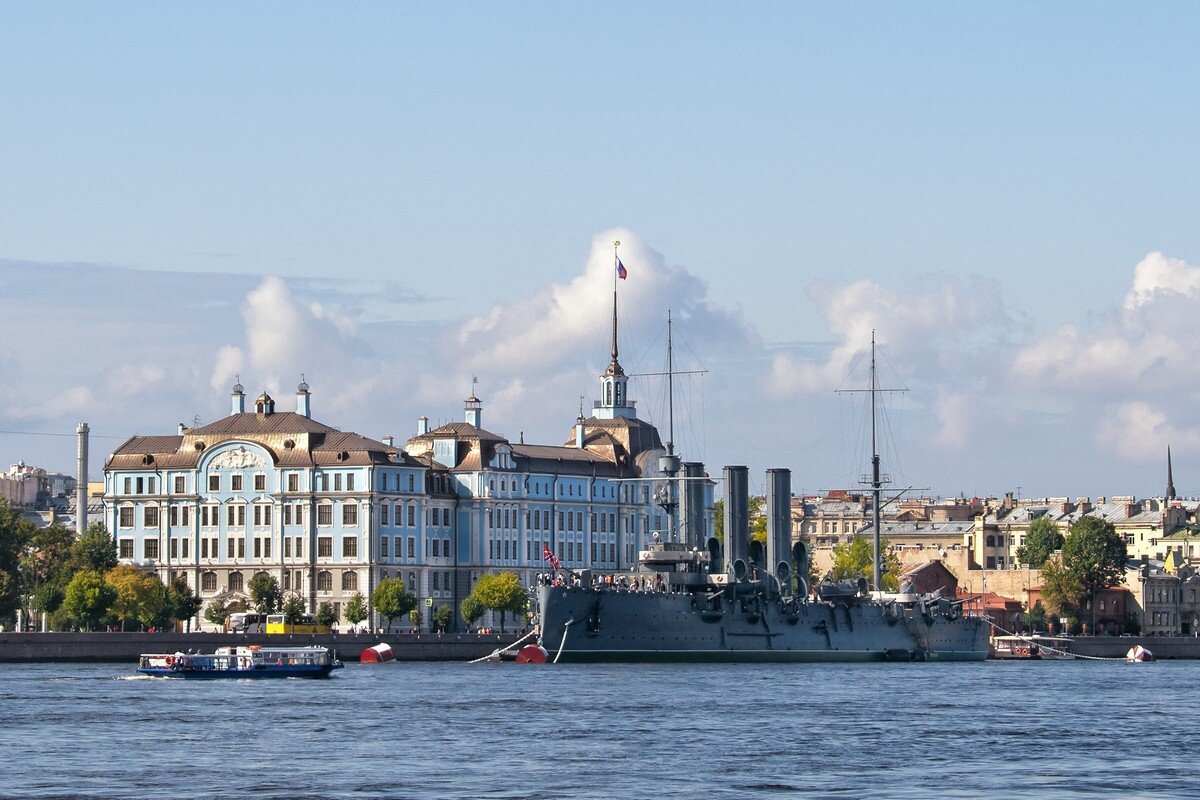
x,y
693,598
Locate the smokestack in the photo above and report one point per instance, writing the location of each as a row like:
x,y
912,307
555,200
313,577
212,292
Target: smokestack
x,y
691,505
779,522
737,521
81,490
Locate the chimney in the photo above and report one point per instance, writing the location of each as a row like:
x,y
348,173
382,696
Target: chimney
x,y
422,426
388,441
737,521
239,397
81,491
1008,501
303,399
182,430
579,432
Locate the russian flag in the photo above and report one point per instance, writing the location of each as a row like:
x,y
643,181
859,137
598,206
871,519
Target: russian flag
x,y
622,273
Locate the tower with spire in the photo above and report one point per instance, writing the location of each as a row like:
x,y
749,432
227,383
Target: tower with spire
x,y
614,399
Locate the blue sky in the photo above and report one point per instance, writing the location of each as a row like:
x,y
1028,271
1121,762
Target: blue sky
x,y
984,181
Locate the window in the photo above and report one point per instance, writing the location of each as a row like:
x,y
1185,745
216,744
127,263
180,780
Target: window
x,y
299,547
208,581
337,482
235,582
236,516
410,483
126,520
350,513
126,549
350,547
174,549
128,484
383,547
260,483
214,483
173,516
349,581
350,482
435,581
287,547
446,517
436,544
287,513
324,581
179,484
325,514
150,550
324,547
383,514
412,547
235,483
293,482
150,485
140,485
241,547
412,515
150,516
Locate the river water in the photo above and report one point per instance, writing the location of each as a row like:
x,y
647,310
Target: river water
x,y
994,729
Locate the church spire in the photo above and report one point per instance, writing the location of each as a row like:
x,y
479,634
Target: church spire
x,y
1170,477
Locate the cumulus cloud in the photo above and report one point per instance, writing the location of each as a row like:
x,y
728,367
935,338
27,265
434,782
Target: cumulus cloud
x,y
1138,430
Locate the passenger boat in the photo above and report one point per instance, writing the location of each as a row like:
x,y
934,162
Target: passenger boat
x,y
253,661
1044,648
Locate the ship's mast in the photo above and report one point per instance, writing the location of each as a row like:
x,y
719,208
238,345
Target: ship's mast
x,y
876,479
669,464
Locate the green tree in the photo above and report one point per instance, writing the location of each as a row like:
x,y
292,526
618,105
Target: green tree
x,y
1042,541
15,535
852,560
87,599
502,592
1037,617
471,609
1062,589
325,615
137,595
182,602
293,609
356,609
217,613
719,521
265,593
94,550
1095,554
758,520
392,600
443,615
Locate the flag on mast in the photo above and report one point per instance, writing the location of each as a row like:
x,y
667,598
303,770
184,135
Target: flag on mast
x,y
622,273
548,555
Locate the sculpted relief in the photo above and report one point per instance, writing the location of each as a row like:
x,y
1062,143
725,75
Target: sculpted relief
x,y
237,458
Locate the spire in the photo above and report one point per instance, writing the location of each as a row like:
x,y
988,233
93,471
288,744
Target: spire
x,y
1170,477
615,367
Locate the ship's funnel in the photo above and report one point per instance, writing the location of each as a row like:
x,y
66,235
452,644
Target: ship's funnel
x,y
800,557
691,512
779,523
737,520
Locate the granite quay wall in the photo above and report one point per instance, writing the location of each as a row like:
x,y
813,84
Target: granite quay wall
x,y
1168,647
18,647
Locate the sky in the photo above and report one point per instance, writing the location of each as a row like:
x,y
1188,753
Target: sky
x,y
393,199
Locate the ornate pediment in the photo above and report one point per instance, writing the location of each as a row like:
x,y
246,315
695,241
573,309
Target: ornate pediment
x,y
239,457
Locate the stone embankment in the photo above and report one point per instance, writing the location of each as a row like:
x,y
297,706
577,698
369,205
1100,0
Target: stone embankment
x,y
18,647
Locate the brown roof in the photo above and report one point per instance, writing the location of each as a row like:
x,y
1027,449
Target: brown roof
x,y
461,430
278,422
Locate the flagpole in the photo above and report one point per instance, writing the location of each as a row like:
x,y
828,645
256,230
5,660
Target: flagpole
x,y
616,261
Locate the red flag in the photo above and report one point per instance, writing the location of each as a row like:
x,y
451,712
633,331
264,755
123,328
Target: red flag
x,y
549,556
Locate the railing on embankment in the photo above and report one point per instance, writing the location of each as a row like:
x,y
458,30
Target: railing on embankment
x,y
1170,647
17,647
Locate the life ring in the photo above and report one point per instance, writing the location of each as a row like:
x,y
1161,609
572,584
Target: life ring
x,y
169,661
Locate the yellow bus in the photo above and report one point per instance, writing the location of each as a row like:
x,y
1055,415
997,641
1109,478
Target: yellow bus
x,y
306,624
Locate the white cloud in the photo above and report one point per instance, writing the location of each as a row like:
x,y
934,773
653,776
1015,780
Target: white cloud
x,y
1157,274
1138,430
953,412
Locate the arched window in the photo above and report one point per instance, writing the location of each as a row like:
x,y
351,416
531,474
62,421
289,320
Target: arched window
x,y
325,581
235,582
208,581
349,581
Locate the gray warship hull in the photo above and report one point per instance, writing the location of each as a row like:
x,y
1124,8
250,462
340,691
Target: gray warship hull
x,y
589,624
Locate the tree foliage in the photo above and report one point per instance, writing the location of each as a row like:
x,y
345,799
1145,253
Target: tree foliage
x,y
138,595
754,512
392,600
1095,554
15,534
182,601
1042,541
502,592
1062,589
87,599
94,550
443,615
265,593
325,615
293,609
216,613
356,609
852,560
471,609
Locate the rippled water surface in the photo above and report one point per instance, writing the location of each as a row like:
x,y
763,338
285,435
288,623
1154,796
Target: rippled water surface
x,y
1065,729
